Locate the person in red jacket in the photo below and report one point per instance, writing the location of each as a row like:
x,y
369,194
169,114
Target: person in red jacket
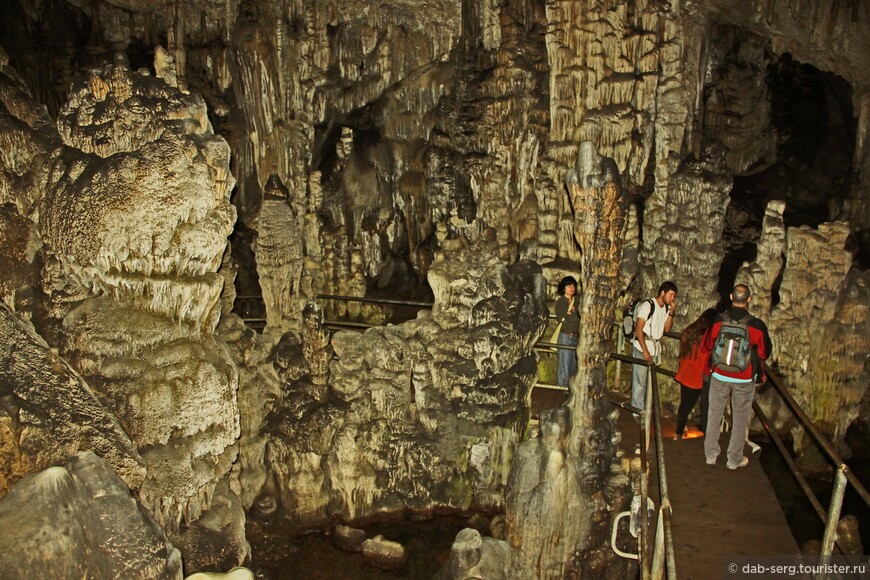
x,y
738,385
693,372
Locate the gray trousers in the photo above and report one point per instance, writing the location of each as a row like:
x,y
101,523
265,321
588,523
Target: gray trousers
x,y
742,395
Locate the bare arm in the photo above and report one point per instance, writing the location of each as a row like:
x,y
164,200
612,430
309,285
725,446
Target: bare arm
x,y
670,321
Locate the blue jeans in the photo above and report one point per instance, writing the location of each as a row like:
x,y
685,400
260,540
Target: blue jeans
x,y
638,381
567,359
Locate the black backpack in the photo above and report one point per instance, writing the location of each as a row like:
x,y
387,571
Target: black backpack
x,y
628,321
732,351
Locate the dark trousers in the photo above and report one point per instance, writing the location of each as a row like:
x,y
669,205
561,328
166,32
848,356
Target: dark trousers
x,y
688,398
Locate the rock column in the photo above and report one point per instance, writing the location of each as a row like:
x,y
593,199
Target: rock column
x,y
560,484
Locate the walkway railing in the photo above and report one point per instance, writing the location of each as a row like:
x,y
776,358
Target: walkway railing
x,y
663,558
843,476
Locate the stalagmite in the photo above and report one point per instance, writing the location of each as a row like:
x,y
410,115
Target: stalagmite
x,y
558,482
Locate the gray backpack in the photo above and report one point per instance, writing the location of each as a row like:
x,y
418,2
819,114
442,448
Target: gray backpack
x,y
732,351
629,322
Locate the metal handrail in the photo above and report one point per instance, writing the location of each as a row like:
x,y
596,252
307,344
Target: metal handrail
x,y
844,475
817,436
643,536
374,300
765,422
663,555
665,509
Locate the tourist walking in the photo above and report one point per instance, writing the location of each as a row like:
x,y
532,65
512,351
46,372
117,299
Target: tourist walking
x,y
568,318
652,318
735,340
693,372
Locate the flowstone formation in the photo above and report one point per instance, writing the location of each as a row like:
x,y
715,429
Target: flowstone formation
x,y
565,485
819,321
50,412
130,199
440,401
133,236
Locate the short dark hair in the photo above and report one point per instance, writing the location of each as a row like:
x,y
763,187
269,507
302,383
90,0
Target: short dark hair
x,y
666,287
740,294
564,282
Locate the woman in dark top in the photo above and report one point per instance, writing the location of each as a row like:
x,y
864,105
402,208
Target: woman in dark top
x,y
566,314
693,374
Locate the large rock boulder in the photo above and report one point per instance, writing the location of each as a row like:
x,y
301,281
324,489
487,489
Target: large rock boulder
x,y
80,521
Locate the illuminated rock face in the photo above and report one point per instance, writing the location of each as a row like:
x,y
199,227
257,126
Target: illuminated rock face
x,y
134,230
130,199
819,323
81,522
416,415
52,413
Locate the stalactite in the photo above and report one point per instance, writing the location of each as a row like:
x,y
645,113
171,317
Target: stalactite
x,y
176,43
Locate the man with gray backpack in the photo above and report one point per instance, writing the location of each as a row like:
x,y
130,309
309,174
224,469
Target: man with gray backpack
x,y
735,341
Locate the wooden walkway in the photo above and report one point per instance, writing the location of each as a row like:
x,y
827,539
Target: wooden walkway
x,y
717,513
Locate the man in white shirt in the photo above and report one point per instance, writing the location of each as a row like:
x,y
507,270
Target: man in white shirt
x,y
652,318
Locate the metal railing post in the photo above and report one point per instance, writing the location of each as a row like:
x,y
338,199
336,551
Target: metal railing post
x,y
648,401
834,512
665,545
657,568
643,537
620,348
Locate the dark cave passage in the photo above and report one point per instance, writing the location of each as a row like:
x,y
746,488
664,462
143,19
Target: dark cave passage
x,y
811,111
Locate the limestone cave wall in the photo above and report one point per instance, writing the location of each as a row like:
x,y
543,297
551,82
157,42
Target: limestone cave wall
x,y
157,159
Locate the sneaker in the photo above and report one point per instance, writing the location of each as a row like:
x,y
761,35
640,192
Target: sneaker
x,y
743,463
711,461
677,437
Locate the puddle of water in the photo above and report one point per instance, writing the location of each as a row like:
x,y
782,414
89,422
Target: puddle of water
x,y
278,554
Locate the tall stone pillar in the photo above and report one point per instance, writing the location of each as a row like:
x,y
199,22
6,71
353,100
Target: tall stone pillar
x,y
562,484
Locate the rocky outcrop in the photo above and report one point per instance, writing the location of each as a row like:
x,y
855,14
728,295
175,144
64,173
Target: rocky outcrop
x,y
52,412
688,246
819,323
473,556
139,217
216,540
440,399
129,198
564,483
80,521
762,273
279,251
